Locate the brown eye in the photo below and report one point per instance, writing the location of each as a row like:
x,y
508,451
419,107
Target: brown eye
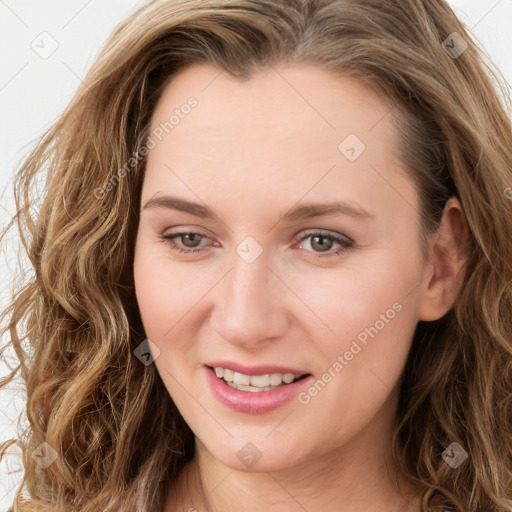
x,y
321,242
190,239
324,244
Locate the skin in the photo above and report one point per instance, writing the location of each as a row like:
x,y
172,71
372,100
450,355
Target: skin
x,y
250,151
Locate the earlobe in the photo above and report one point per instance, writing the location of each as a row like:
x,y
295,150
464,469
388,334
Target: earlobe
x,y
449,253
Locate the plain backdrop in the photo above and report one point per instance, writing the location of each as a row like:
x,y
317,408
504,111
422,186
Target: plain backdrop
x,y
45,50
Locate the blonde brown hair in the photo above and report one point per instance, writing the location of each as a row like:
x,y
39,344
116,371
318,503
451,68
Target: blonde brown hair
x,y
120,440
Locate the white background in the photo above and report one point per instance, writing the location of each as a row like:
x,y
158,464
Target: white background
x,y
35,90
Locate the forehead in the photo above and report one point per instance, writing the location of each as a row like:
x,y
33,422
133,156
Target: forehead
x,y
287,129
325,105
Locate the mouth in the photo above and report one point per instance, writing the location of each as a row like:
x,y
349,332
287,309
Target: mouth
x,y
255,383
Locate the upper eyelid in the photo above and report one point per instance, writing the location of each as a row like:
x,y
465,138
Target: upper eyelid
x,y
300,236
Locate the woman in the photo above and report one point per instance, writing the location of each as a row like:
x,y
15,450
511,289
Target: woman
x,y
272,267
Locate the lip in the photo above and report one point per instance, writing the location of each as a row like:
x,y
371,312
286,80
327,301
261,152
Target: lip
x,y
254,403
255,370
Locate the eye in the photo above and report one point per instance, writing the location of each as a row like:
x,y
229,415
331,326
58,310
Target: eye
x,y
322,243
189,241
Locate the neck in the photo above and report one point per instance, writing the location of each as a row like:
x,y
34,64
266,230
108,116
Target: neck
x,y
355,478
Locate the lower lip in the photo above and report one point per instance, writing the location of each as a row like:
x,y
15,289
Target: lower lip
x,y
254,402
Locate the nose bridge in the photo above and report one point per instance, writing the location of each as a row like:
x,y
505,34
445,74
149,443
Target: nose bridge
x,y
248,289
249,308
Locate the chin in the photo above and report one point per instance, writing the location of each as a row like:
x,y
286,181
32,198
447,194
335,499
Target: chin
x,y
256,456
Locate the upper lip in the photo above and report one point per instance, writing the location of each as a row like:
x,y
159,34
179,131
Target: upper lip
x,y
261,369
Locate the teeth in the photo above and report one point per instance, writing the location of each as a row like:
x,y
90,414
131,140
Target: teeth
x,y
240,378
253,389
260,381
276,379
254,382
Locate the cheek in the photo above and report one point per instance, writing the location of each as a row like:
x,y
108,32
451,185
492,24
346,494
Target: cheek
x,y
362,300
369,309
373,316
165,293
153,297
166,301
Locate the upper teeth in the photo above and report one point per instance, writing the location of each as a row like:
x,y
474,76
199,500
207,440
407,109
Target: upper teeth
x,y
259,381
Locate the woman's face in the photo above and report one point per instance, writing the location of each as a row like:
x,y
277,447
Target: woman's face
x,y
303,232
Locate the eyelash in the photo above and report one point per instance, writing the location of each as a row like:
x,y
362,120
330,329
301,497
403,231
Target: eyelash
x,y
345,242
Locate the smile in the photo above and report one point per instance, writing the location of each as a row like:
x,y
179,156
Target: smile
x,y
254,392
255,383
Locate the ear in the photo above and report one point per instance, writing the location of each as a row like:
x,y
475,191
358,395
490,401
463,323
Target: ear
x,y
445,271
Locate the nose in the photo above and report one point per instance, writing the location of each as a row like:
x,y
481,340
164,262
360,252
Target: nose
x,y
250,305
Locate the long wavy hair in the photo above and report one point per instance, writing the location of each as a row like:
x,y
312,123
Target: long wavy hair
x,y
118,436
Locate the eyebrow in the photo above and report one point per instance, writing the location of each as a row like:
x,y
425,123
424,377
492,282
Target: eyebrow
x,y
304,211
